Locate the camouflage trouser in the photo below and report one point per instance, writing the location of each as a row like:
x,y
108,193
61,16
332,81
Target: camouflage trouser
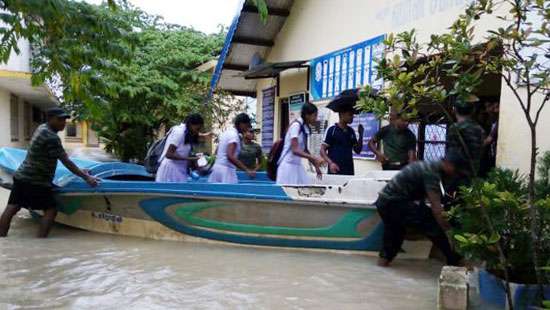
x,y
398,215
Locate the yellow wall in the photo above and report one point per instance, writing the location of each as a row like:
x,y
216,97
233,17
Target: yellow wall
x,y
317,27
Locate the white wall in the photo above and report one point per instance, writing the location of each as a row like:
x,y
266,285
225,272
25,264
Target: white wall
x,y
5,123
514,137
19,62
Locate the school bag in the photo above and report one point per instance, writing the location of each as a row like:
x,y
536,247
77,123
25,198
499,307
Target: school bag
x,y
152,159
275,154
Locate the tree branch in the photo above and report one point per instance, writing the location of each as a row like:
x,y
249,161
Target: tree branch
x,y
539,111
516,94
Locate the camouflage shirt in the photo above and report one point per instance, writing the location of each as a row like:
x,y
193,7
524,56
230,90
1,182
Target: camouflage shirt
x,y
39,166
414,181
473,136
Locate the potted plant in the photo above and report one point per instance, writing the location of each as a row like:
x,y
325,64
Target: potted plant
x,y
493,229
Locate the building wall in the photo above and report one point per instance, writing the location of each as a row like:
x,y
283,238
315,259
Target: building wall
x,y
5,122
514,137
19,62
317,27
83,138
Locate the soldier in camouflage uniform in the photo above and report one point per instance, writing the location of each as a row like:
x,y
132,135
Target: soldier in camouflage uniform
x,y
32,182
401,205
466,135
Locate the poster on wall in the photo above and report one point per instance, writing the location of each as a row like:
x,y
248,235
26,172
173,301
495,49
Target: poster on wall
x,y
371,125
268,109
318,131
295,103
351,67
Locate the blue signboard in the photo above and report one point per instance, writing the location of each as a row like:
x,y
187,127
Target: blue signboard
x,y
268,109
348,68
371,125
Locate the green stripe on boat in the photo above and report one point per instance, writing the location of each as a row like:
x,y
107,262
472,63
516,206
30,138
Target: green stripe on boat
x,y
345,227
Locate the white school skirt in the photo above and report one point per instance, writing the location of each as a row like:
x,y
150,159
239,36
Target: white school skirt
x,y
223,174
294,174
171,172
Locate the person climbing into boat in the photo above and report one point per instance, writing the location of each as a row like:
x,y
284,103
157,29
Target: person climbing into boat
x,y
251,154
340,140
227,155
175,158
398,206
399,143
291,169
32,182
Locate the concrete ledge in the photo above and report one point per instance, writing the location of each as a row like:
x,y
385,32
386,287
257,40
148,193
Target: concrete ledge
x,y
453,289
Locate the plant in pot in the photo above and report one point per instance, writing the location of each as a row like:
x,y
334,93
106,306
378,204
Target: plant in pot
x,y
493,230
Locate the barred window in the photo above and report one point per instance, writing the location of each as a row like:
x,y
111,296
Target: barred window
x,y
431,139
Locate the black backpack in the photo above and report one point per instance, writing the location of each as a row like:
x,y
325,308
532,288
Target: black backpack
x,y
276,152
154,152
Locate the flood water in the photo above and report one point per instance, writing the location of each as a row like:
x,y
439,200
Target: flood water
x,y
76,269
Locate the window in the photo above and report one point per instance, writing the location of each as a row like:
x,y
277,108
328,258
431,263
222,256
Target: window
x,y
431,140
14,118
435,141
28,120
73,132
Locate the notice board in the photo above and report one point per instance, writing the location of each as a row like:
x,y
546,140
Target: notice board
x,y
295,103
371,125
268,110
348,68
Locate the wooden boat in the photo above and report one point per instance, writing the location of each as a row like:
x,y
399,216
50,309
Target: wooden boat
x,y
337,213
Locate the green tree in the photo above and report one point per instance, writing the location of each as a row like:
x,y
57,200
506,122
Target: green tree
x,y
127,72
156,88
67,38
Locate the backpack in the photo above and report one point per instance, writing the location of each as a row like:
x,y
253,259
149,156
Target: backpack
x,y
152,159
275,154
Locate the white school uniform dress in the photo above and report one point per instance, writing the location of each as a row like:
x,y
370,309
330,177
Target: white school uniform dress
x,y
174,171
225,171
291,169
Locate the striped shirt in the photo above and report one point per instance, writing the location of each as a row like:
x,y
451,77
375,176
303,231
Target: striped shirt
x,y
414,182
39,166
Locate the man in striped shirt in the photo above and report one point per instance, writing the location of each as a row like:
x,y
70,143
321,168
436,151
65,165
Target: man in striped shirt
x,y
32,182
401,204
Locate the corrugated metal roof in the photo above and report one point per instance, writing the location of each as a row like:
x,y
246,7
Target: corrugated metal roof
x,y
247,36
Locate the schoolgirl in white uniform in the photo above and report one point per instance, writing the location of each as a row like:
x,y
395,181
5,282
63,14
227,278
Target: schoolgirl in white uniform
x,y
291,169
174,160
229,147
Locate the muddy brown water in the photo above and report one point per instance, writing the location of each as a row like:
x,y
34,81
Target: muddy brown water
x,y
76,269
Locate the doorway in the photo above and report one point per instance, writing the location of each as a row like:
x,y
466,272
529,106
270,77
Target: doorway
x,y
283,116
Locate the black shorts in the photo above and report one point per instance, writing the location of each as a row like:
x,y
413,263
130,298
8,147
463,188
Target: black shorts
x,y
31,196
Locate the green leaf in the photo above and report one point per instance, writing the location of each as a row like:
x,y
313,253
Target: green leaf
x,y
494,238
262,9
461,239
